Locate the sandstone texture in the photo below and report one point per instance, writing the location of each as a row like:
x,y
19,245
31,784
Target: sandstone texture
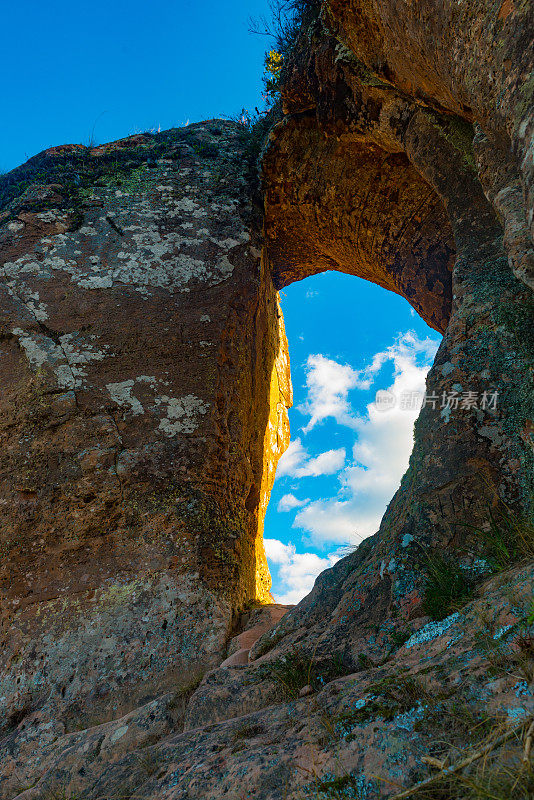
x,y
146,386
146,380
396,190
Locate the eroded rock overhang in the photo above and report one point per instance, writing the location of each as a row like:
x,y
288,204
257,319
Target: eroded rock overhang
x,y
403,154
360,87
340,202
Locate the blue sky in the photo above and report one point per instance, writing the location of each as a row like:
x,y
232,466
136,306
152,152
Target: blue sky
x,y
348,340
107,69
100,71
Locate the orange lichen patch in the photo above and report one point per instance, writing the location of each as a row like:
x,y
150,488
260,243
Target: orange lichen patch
x,y
506,9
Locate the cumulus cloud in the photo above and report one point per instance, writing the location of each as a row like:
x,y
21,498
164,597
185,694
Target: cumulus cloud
x,y
288,502
381,451
296,462
324,464
292,459
380,454
337,521
329,384
297,571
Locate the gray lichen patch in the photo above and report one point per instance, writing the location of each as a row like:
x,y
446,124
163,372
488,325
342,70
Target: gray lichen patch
x,y
67,357
148,253
181,414
176,415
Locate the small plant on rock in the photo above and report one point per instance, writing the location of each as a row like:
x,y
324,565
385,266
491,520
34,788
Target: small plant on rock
x,y
345,787
448,586
273,68
298,669
387,699
509,650
507,539
248,731
181,698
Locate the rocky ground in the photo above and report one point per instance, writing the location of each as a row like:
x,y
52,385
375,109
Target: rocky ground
x,y
295,724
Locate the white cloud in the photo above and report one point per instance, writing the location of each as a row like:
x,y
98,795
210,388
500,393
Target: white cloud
x,y
277,552
384,440
336,521
288,502
381,451
328,385
291,459
324,464
297,571
297,463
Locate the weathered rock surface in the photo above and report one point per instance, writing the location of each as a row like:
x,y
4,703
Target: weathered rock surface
x,y
253,626
386,165
146,385
360,736
145,376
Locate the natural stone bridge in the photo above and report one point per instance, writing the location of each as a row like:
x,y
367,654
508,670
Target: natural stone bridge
x,y
146,381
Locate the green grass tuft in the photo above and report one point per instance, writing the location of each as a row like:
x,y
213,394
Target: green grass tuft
x,y
298,669
508,539
448,586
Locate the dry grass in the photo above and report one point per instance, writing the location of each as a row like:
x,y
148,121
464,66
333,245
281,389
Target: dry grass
x,y
498,768
507,538
298,669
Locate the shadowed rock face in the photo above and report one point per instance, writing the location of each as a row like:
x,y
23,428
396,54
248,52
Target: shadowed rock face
x,y
146,386
397,188
354,207
369,69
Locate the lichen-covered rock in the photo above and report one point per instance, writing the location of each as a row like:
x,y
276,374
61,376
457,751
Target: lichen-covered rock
x,y
144,406
366,734
396,191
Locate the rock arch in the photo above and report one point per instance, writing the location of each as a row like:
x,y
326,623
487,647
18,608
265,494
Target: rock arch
x,y
145,369
343,204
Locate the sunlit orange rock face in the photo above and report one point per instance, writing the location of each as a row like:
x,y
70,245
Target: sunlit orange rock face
x,y
146,384
353,206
